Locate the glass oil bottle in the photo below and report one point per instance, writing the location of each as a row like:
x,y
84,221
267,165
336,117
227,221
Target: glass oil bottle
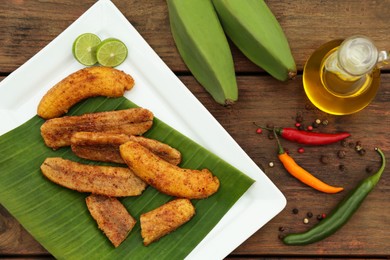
x,y
342,77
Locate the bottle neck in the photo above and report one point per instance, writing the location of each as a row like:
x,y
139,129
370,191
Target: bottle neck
x,y
354,58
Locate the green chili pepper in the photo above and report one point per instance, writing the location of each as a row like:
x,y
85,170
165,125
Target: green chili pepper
x,y
341,214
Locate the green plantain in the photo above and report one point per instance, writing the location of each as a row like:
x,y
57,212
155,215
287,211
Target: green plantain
x,y
253,28
203,46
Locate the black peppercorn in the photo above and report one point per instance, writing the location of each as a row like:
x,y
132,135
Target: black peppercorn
x,y
315,125
369,169
362,152
324,159
299,118
341,154
342,167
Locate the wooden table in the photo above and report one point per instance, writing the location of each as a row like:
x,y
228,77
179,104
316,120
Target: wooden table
x,y
27,26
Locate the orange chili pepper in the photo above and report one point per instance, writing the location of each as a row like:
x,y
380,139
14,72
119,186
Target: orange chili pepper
x,y
301,174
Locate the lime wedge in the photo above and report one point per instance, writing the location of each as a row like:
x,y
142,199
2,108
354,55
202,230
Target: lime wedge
x,y
111,52
84,48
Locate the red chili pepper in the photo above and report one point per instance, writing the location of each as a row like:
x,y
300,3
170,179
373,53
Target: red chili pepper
x,y
310,138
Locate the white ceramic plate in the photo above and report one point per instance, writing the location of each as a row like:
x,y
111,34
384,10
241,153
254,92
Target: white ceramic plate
x,y
158,89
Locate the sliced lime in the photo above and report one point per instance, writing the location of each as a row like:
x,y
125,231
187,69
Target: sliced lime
x,y
84,48
111,52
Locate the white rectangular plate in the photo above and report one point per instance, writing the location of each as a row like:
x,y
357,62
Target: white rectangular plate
x,y
158,89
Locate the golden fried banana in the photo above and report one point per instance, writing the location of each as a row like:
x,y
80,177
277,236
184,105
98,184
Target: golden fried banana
x,y
98,146
165,219
98,138
165,177
82,84
160,149
103,180
57,132
104,147
111,216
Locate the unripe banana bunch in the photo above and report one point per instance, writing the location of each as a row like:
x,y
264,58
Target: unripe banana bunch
x,y
199,29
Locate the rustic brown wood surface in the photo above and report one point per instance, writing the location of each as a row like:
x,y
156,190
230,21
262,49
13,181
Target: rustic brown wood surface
x,y
28,26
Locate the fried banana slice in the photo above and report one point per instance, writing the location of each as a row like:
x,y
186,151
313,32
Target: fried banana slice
x,y
160,149
165,219
57,132
82,84
165,177
111,216
103,180
104,147
98,146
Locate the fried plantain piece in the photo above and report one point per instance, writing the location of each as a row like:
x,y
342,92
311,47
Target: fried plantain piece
x,y
84,83
168,178
103,180
111,216
98,146
104,147
57,132
165,219
160,149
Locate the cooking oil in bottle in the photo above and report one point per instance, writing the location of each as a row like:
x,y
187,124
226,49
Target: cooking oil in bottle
x,y
342,77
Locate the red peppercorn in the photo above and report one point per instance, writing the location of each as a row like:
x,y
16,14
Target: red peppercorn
x,y
310,128
259,130
301,150
297,125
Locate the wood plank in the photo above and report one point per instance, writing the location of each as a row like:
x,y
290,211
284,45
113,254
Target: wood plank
x,y
28,26
366,234
14,239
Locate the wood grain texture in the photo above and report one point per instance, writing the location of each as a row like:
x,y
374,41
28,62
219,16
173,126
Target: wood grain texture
x,y
366,233
28,26
14,239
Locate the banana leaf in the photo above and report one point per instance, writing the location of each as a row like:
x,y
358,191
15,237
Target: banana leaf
x,y
58,217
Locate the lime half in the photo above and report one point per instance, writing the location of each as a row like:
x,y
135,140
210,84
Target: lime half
x,y
84,48
111,52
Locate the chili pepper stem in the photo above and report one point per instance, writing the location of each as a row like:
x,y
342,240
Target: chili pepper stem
x,y
277,129
281,150
378,174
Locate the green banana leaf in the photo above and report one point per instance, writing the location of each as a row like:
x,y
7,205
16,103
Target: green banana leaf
x,y
58,217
